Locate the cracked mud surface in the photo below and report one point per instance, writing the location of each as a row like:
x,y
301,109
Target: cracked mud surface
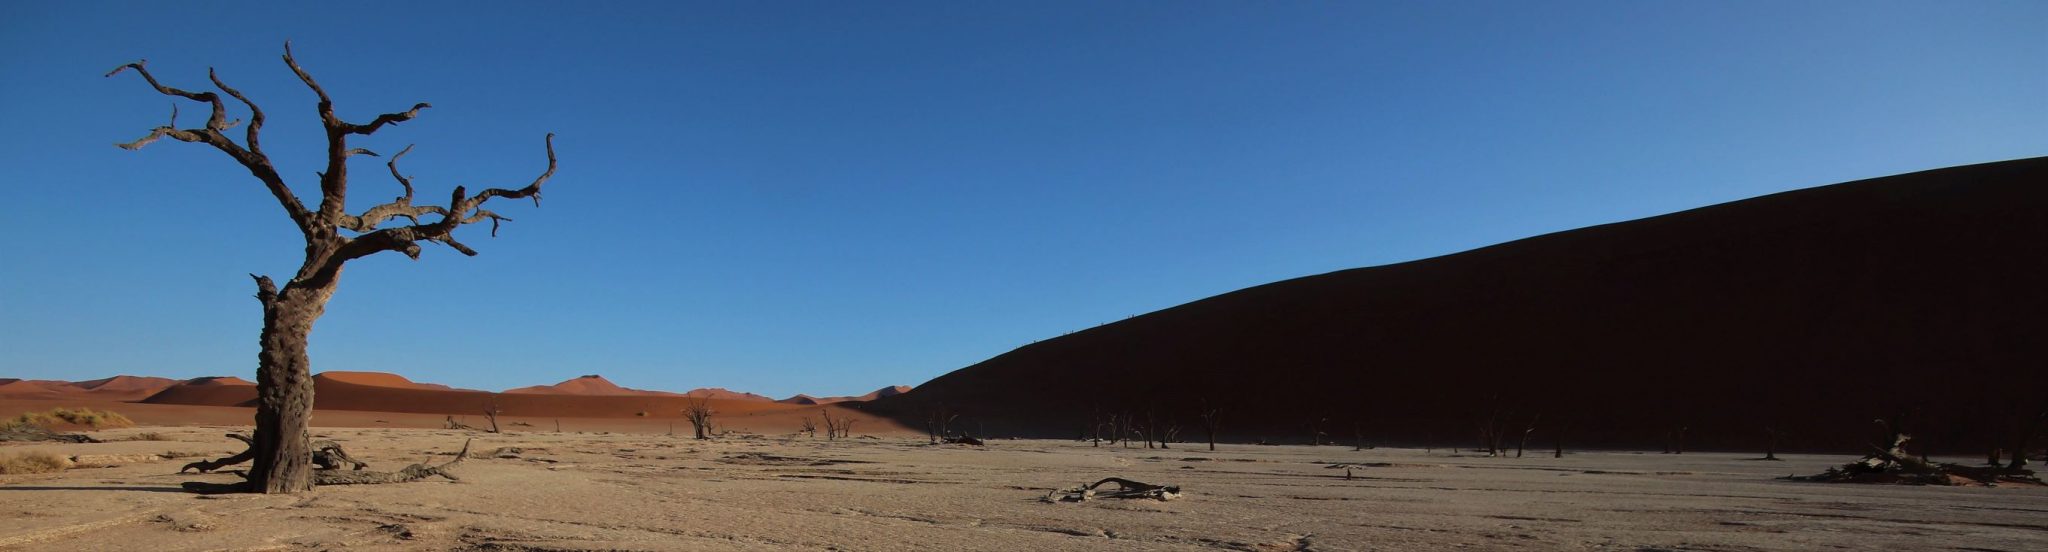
x,y
573,492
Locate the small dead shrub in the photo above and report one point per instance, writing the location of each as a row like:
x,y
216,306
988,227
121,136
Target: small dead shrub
x,y
80,416
33,462
149,436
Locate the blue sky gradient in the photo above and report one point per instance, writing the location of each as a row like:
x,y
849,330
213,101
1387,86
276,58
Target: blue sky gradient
x,y
826,198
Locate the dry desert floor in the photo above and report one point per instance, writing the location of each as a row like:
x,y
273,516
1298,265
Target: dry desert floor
x,y
592,491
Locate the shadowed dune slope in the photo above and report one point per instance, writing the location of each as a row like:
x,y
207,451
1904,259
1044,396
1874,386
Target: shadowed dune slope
x,y
889,391
1814,311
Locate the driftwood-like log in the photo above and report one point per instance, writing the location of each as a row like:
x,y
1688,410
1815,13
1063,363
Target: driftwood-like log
x,y
1894,465
1125,489
410,473
327,455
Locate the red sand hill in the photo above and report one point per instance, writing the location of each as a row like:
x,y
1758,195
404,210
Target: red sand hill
x,y
889,391
1814,311
376,379
727,394
586,385
114,388
351,393
211,391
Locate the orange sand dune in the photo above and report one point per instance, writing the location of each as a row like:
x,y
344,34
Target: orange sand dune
x,y
585,385
114,388
772,421
127,383
376,379
722,393
348,391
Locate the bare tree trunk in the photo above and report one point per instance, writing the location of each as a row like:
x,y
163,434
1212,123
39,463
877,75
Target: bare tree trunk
x,y
284,381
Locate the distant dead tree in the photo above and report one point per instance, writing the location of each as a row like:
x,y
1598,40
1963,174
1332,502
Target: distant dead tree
x,y
1127,429
1210,425
284,386
1315,431
808,427
1674,440
937,425
1358,436
1526,430
698,411
1492,432
838,428
2026,438
1772,435
1557,440
842,427
491,411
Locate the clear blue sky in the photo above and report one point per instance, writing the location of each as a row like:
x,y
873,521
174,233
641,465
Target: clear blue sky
x,y
830,197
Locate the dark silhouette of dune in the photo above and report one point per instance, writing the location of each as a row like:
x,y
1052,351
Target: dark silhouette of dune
x,y
889,391
1813,311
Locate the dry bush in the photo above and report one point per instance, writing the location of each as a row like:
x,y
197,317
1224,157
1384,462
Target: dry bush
x,y
81,416
148,436
33,462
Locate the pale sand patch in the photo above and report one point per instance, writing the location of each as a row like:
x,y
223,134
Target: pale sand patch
x,y
651,492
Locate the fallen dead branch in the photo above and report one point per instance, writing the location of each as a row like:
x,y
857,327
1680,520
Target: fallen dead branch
x,y
1125,489
1896,466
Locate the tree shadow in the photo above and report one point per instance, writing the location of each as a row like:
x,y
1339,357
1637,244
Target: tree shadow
x,y
107,488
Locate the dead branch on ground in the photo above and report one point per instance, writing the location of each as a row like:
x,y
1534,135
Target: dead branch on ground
x,y
1125,489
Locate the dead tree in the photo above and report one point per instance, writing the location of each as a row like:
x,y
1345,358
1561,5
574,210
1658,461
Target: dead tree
x,y
284,384
1315,431
808,427
1209,426
491,411
2026,437
1557,441
1526,430
1674,440
1772,435
1490,434
842,427
937,426
698,411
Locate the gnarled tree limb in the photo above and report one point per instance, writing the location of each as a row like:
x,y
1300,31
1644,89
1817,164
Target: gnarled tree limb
x,y
250,158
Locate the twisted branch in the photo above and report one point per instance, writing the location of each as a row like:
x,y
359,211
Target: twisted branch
x,y
462,209
251,159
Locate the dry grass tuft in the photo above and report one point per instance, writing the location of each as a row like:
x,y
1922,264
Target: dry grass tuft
x,y
33,462
81,416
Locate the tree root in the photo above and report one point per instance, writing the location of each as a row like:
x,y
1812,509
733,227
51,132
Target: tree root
x,y
329,457
1125,489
